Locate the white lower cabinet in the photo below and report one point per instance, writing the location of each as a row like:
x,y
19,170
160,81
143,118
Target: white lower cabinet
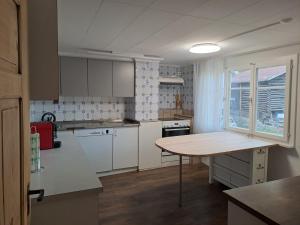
x,y
125,147
149,153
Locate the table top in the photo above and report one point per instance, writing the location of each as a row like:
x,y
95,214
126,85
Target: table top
x,y
275,202
207,144
66,169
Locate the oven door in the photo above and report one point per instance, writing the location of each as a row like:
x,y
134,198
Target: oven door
x,y
175,131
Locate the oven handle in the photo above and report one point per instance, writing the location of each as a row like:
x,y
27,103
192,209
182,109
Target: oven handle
x,y
174,129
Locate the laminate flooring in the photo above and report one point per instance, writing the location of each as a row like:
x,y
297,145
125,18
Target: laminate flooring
x,y
151,198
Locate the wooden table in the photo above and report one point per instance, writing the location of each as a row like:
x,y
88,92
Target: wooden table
x,y
275,202
213,144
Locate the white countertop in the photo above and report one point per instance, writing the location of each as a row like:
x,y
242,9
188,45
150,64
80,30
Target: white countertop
x,y
66,169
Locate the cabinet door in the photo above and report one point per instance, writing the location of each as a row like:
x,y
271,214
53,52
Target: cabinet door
x,y
10,164
43,54
123,79
98,150
14,115
73,76
149,153
100,78
125,147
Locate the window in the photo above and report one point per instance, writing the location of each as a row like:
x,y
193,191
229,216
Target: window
x,y
259,98
270,100
239,98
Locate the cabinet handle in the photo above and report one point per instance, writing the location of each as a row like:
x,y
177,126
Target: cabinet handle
x,y
40,198
259,181
95,133
261,151
260,166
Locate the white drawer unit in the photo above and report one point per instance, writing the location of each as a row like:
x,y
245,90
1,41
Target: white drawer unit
x,y
240,168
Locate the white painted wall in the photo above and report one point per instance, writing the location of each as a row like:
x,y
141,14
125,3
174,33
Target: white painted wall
x,y
283,162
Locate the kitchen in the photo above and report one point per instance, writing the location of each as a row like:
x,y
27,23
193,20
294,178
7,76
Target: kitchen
x,y
152,111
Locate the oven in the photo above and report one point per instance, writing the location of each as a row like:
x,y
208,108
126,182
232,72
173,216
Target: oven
x,y
171,128
175,131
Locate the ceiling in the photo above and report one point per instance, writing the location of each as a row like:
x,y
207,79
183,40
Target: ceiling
x,y
168,28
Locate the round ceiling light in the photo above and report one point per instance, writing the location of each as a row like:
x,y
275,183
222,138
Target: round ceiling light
x,y
205,48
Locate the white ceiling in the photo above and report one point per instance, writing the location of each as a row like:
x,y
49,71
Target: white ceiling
x,y
168,28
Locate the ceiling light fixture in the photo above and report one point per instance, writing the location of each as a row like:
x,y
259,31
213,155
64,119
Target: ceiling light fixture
x,y
205,48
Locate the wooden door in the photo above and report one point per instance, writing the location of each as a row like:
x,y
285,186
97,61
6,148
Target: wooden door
x,y
14,116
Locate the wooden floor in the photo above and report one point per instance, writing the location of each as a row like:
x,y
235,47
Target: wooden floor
x,y
151,198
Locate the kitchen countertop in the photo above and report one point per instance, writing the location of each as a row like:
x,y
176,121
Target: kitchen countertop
x,y
275,202
91,124
66,169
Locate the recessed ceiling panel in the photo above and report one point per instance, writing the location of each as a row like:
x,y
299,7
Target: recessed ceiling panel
x,y
217,9
74,17
146,25
135,2
178,6
260,11
173,32
111,20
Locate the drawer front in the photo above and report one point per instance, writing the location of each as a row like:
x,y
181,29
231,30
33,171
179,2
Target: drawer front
x,y
170,158
222,160
238,180
240,167
221,173
242,155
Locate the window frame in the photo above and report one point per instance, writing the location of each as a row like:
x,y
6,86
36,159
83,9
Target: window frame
x,y
228,97
289,111
287,63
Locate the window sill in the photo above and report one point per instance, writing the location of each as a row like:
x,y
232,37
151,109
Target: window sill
x,y
281,143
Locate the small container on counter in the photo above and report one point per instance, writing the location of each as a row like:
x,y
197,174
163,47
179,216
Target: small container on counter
x,y
35,150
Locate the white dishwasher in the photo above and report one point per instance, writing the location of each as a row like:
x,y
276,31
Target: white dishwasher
x,y
98,145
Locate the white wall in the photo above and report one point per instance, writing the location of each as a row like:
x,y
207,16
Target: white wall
x,y
283,162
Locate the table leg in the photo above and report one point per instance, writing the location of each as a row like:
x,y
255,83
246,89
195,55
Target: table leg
x,y
180,181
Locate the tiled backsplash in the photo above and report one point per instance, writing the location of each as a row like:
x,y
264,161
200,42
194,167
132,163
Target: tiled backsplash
x,y
167,93
187,73
80,108
145,104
